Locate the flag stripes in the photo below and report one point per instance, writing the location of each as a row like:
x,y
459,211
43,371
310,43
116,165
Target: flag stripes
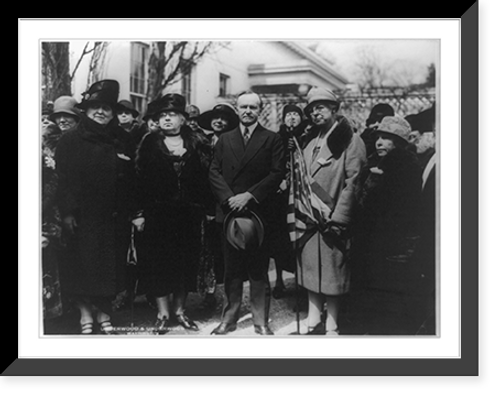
x,y
304,206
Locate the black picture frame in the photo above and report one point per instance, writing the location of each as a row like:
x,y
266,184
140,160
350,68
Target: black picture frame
x,y
466,365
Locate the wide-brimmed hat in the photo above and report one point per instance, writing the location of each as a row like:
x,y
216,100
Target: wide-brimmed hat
x,y
105,91
67,105
396,126
425,121
222,109
171,102
318,94
127,106
243,230
378,112
150,110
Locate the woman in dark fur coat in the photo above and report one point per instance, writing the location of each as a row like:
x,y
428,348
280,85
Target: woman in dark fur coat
x,y
174,195
390,195
96,200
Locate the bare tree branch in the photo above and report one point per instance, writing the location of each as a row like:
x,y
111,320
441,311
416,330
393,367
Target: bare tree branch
x,y
96,61
179,50
82,55
370,70
55,70
187,62
170,61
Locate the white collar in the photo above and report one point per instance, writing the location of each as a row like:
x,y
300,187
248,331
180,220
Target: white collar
x,y
250,128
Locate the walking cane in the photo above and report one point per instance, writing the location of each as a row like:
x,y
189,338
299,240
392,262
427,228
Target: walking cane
x,y
132,263
297,298
132,300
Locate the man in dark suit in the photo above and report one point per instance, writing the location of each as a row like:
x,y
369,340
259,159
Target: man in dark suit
x,y
247,168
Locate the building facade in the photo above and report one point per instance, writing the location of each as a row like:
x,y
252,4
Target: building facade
x,y
272,68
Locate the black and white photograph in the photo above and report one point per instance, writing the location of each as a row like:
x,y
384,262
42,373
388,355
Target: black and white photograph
x,y
256,188
247,197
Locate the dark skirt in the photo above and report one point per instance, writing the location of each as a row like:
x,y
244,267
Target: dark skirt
x,y
169,249
93,263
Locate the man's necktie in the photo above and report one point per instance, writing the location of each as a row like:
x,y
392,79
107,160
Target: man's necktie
x,y
246,135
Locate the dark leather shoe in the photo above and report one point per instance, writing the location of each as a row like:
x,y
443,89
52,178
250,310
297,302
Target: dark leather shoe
x,y
161,325
187,323
318,329
263,330
224,328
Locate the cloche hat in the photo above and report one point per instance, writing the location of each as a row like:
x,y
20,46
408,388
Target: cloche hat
x,y
396,126
65,104
378,112
317,94
193,111
127,106
292,108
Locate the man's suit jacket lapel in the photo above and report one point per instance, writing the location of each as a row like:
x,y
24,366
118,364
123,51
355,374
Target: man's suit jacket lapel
x,y
237,144
253,146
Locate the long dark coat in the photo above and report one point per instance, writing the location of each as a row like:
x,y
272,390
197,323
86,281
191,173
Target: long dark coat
x,y
174,195
389,202
96,185
426,248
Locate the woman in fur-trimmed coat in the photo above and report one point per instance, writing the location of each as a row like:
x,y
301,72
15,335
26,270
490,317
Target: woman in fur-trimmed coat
x,y
96,198
334,156
174,196
336,170
389,199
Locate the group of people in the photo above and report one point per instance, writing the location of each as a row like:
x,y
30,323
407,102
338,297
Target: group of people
x,y
202,199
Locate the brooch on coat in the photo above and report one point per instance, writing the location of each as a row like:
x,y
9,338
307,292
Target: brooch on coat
x,y
122,156
376,170
323,162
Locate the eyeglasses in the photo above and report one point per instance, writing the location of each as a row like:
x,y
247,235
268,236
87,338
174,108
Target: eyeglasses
x,y
167,114
319,109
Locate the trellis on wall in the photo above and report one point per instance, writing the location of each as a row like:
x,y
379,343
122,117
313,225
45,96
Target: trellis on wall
x,y
355,106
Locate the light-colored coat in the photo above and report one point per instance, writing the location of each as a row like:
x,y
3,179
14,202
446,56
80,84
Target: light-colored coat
x,y
323,266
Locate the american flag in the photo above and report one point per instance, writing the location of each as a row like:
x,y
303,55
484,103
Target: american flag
x,y
305,208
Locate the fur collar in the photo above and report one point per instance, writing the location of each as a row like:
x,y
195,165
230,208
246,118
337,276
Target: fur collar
x,y
152,146
397,160
337,141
